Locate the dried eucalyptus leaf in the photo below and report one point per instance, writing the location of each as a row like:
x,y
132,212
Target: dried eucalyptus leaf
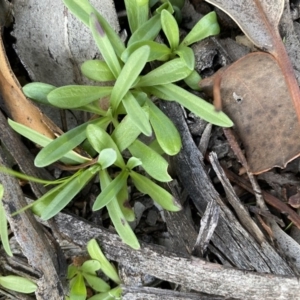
x,y
258,19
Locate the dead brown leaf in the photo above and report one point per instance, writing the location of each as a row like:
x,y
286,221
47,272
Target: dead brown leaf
x,y
259,21
255,96
20,108
274,140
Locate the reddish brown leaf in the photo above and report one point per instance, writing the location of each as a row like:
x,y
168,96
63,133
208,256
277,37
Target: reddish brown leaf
x,y
20,108
259,21
255,96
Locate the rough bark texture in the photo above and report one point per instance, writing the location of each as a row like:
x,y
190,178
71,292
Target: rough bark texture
x,y
192,272
239,247
147,293
39,251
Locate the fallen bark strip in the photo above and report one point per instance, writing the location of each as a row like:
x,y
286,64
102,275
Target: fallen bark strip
x,y
230,238
41,254
241,211
192,273
149,293
180,227
31,237
18,151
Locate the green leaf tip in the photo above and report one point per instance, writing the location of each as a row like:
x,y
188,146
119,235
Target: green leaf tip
x,y
95,252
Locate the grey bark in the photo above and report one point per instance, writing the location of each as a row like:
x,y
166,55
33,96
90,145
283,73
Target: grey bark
x,y
230,238
40,252
192,273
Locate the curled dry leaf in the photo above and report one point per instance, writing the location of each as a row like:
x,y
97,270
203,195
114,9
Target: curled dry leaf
x,y
255,96
294,200
259,20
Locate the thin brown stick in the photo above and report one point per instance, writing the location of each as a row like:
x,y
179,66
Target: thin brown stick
x,y
269,198
77,167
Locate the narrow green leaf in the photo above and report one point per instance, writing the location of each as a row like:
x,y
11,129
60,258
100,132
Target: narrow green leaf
x,y
65,143
18,284
96,253
133,162
113,294
38,91
93,108
114,38
153,163
97,70
3,225
82,10
198,106
146,32
29,133
70,190
137,13
170,29
90,266
193,80
100,140
167,6
43,141
157,51
107,157
137,114
111,190
171,71
96,283
27,177
131,70
72,271
78,288
125,133
74,96
39,205
123,200
105,46
103,296
157,193
121,225
187,55
165,131
154,145
207,26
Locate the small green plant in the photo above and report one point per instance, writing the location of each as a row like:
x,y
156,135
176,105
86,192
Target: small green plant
x,y
125,110
84,275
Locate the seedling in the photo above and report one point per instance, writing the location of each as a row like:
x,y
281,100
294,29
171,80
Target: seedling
x,y
127,108
86,275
